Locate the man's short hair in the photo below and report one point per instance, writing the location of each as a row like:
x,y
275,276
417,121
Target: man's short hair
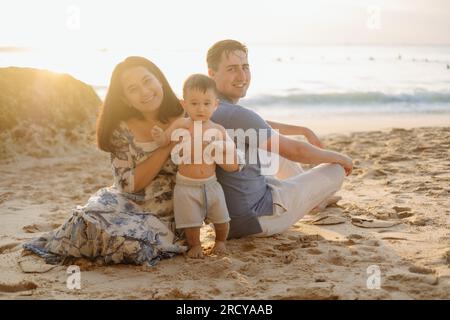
x,y
215,52
199,82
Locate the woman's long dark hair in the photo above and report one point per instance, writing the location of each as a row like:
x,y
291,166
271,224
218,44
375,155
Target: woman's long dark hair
x,y
115,110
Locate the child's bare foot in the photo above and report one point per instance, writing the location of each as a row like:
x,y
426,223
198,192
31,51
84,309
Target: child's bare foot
x,y
195,252
328,202
219,248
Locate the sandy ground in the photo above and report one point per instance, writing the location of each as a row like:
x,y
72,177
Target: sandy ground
x,y
394,216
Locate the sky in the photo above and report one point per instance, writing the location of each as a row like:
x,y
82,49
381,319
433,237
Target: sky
x,y
190,24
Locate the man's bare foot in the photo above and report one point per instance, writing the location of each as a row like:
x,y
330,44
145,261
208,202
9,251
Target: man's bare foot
x,y
219,248
195,252
328,202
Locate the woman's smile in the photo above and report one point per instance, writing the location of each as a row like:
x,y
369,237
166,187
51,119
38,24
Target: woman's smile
x,y
142,89
148,99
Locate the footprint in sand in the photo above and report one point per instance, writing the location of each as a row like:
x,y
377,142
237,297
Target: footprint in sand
x,y
5,196
421,270
248,247
373,223
6,248
42,227
287,246
402,212
355,236
288,257
401,209
447,257
214,291
314,251
268,253
308,241
413,280
394,158
336,257
375,173
419,221
310,237
17,287
318,291
33,264
177,294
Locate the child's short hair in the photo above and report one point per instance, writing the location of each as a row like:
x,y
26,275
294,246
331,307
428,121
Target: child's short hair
x,y
199,82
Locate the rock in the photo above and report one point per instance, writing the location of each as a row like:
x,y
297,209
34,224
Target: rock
x,y
36,105
42,96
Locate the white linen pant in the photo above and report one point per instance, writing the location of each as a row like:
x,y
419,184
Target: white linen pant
x,y
296,192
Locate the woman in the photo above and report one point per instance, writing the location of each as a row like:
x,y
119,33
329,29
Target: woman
x,y
132,221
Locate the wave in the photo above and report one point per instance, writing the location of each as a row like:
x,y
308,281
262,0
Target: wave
x,y
351,98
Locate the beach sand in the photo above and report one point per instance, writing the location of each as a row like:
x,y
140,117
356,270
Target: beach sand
x,y
394,216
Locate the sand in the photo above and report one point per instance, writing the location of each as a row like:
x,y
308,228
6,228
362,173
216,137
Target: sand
x,y
394,218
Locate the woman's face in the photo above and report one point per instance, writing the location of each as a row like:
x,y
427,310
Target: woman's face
x,y
142,89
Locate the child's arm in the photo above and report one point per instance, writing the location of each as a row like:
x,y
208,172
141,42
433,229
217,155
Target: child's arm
x,y
162,137
227,145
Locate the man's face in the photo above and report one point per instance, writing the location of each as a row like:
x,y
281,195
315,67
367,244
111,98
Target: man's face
x,y
232,76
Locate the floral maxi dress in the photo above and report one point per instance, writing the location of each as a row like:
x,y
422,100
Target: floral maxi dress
x,y
116,225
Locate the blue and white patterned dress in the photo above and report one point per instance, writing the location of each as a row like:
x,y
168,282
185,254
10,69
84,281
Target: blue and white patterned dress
x,y
116,225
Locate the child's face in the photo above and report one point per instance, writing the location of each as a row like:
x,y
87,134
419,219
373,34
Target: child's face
x,y
200,105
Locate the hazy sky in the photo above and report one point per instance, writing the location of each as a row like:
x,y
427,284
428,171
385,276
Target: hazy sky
x,y
192,23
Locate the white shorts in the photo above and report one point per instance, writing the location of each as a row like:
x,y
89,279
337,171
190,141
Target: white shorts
x,y
197,200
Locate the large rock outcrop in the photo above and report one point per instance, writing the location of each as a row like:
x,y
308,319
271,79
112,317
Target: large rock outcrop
x,y
43,113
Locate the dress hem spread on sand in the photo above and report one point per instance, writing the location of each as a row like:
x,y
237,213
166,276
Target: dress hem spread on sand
x,y
116,226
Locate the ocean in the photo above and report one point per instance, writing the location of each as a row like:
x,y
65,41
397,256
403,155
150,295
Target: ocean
x,y
289,82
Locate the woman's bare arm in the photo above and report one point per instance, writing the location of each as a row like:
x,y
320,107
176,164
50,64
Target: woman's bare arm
x,y
148,169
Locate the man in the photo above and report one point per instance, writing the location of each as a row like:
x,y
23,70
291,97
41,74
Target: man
x,y
258,204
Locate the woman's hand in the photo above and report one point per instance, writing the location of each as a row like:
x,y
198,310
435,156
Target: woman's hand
x,y
346,162
158,136
312,138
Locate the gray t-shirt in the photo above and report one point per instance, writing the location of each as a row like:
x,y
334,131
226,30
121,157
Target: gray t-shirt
x,y
246,192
